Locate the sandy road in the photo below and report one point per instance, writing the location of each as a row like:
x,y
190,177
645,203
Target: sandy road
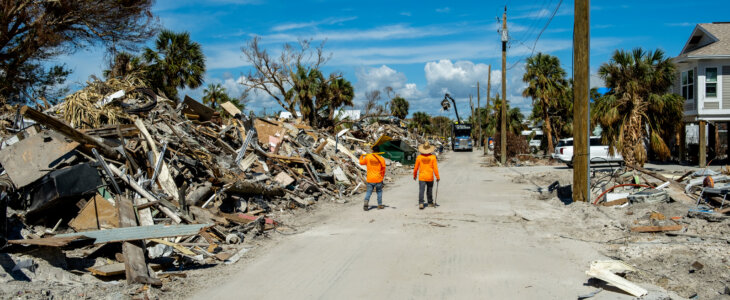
x,y
483,251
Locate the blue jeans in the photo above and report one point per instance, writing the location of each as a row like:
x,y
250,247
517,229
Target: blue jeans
x,y
428,186
378,189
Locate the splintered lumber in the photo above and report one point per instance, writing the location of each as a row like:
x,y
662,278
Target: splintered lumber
x,y
166,207
615,202
164,178
68,131
135,262
656,228
114,269
55,241
139,232
177,247
248,187
295,159
604,270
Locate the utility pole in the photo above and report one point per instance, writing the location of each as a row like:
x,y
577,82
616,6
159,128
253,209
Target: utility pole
x,y
503,135
486,106
581,73
479,116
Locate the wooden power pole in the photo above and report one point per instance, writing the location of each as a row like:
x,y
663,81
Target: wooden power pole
x,y
479,117
503,134
581,76
486,106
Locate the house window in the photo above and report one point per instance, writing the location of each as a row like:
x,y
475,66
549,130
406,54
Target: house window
x,y
688,79
711,82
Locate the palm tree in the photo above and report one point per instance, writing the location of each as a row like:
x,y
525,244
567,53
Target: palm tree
x,y
514,118
214,95
638,105
337,93
124,64
176,62
399,107
546,85
307,85
420,120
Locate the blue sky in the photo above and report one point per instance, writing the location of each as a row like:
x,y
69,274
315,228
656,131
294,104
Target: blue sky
x,y
420,48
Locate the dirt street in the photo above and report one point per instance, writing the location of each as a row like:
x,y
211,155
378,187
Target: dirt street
x,y
478,244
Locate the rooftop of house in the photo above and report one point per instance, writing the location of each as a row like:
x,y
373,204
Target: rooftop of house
x,y
707,40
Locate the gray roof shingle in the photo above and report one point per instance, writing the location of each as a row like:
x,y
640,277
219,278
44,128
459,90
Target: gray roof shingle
x,y
721,47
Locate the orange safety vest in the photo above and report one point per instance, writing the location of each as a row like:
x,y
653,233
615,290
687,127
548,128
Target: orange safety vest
x,y
376,167
428,167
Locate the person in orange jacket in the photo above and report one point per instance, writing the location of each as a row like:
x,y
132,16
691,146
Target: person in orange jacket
x,y
376,172
426,167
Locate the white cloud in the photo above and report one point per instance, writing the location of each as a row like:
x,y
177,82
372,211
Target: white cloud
x,y
443,9
406,13
543,13
388,32
369,79
455,78
681,24
328,21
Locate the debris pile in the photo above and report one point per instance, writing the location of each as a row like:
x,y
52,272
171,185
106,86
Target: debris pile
x,y
140,187
670,229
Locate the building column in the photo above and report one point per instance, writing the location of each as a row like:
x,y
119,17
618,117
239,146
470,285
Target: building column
x,y
703,145
683,143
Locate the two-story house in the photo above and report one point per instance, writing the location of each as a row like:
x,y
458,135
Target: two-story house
x,y
703,80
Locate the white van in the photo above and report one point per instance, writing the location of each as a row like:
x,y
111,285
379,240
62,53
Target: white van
x,y
599,152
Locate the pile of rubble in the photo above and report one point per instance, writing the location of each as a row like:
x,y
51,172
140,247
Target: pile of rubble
x,y
664,230
142,188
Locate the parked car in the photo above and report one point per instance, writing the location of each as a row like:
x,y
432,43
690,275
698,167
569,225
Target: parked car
x,y
599,152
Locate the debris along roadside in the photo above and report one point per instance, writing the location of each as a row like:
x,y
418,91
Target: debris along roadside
x,y
671,228
144,187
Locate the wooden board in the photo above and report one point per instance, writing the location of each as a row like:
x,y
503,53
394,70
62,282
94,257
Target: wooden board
x,y
230,108
656,228
49,241
604,270
30,159
193,107
615,202
264,129
97,214
135,263
114,269
164,178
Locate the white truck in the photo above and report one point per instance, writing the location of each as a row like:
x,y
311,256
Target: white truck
x,y
599,152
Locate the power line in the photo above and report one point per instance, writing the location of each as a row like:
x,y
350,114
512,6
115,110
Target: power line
x,y
532,52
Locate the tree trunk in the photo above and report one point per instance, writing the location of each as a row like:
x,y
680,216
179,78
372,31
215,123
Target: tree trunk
x,y
546,127
633,150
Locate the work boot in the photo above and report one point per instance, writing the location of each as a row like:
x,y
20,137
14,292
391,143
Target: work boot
x,y
420,206
365,207
431,204
381,206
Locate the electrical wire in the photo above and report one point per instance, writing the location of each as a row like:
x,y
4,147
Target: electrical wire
x,y
534,44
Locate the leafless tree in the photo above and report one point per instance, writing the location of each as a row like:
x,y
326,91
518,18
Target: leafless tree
x,y
273,73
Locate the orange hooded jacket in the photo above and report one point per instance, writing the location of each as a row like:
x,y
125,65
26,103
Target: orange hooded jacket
x,y
428,167
376,167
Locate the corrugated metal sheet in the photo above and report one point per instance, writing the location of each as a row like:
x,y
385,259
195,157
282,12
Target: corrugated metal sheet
x,y
138,232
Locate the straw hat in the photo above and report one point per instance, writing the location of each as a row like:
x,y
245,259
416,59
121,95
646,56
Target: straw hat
x,y
426,148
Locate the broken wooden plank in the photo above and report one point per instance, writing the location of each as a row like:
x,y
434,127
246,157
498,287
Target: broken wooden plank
x,y
295,159
139,233
54,241
656,228
68,131
193,107
615,202
604,270
135,262
32,158
166,207
230,108
164,178
114,269
97,214
233,259
177,247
